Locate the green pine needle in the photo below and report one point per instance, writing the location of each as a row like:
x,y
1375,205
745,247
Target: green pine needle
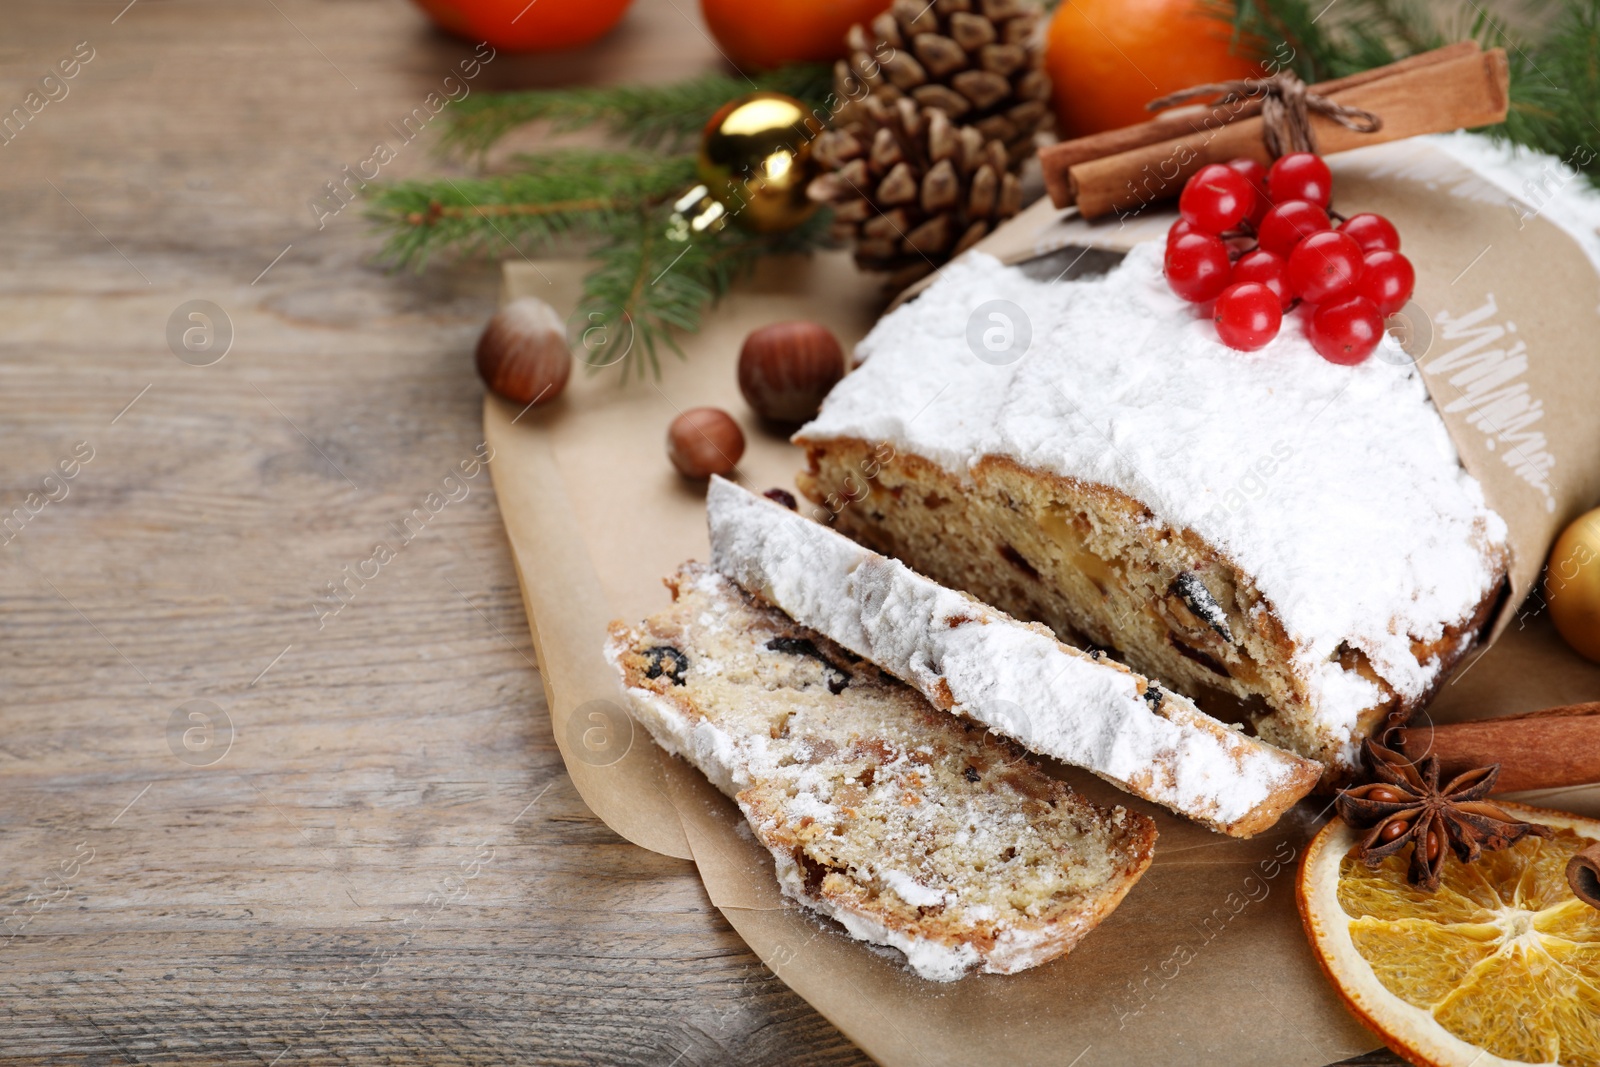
x,y
647,286
646,115
1558,109
574,192
644,286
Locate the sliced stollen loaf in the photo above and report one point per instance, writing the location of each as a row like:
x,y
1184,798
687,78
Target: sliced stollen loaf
x,y
1015,677
1266,526
912,828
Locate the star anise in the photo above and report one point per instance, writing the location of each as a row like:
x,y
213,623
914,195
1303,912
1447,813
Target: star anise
x,y
1405,805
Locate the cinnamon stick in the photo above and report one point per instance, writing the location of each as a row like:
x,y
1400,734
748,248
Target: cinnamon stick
x,y
1057,159
1583,875
1472,90
1539,750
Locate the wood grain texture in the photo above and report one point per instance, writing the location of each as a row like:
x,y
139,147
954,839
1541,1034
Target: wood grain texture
x,y
389,862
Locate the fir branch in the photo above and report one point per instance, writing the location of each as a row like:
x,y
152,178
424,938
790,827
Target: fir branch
x,y
646,115
1559,109
1289,23
554,195
1330,40
646,286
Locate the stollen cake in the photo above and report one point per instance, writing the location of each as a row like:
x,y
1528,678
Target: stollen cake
x,y
1016,678
912,828
1264,525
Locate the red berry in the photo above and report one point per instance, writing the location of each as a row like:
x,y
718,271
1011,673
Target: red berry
x,y
1215,199
1256,175
1373,233
1387,281
1266,269
1289,221
1178,229
1248,316
1238,245
1254,172
1300,176
1345,332
1197,267
1325,267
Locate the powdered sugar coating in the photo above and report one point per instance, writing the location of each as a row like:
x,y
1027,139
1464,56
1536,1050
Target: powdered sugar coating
x,y
930,959
729,762
790,778
1015,678
1370,533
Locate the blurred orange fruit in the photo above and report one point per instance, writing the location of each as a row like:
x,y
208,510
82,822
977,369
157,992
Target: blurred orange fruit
x,y
771,33
1106,58
524,26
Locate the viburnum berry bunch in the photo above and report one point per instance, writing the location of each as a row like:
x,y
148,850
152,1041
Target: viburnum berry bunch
x,y
1256,243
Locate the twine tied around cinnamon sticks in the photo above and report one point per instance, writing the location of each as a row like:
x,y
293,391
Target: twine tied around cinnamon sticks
x,y
1287,104
1120,171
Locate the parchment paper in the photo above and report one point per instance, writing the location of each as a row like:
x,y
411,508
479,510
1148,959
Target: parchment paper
x,y
1205,961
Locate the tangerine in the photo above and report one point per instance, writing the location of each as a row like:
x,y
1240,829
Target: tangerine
x,y
770,34
1106,58
521,26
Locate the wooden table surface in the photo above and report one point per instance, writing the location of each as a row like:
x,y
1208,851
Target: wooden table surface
x,y
376,855
236,828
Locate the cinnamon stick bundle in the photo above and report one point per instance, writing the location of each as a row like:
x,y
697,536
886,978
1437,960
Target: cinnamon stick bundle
x,y
1057,159
1470,90
1539,750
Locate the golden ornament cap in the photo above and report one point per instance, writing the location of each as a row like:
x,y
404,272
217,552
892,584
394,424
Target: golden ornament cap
x,y
1572,585
755,159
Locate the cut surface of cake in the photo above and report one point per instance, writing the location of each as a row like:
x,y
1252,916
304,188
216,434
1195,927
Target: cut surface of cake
x,y
912,828
1294,534
1016,678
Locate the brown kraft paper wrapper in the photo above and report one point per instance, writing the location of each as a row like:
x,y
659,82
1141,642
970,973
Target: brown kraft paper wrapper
x,y
1205,961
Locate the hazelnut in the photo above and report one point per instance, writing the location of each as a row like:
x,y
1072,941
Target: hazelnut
x,y
785,370
704,441
523,354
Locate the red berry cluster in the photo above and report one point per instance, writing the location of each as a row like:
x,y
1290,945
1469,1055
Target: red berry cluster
x,y
1259,242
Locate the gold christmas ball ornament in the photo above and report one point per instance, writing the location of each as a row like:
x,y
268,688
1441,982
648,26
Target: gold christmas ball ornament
x,y
1572,585
755,160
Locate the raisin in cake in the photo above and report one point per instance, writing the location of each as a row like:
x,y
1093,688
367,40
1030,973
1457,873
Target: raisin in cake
x,y
1013,677
1267,525
910,827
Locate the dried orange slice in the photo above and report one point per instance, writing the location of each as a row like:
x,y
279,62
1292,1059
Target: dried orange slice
x,y
1500,966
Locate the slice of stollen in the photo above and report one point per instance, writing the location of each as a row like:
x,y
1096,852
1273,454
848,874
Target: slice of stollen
x,y
978,662
910,827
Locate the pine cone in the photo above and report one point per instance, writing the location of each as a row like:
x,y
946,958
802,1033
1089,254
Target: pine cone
x,y
978,61
910,188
